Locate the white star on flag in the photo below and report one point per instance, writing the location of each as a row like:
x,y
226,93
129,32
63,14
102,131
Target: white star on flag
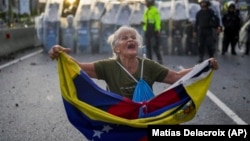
x,y
106,128
97,133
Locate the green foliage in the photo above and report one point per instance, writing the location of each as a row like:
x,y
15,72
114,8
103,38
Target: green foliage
x,y
2,15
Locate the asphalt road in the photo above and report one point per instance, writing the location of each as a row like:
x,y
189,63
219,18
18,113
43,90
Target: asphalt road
x,y
32,110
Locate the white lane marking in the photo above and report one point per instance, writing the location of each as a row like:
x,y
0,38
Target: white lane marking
x,y
224,107
20,59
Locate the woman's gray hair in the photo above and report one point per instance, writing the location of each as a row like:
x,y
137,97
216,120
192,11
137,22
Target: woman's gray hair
x,y
114,38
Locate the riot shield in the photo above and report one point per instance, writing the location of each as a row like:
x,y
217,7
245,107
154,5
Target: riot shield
x,y
82,21
97,11
52,23
108,24
179,16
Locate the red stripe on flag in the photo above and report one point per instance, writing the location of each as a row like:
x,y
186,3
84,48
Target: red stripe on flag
x,y
164,99
126,109
145,138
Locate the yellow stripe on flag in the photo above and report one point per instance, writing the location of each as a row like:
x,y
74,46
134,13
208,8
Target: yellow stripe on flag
x,y
197,90
68,69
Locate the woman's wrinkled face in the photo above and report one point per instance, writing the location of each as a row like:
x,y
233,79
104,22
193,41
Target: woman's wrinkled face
x,y
127,44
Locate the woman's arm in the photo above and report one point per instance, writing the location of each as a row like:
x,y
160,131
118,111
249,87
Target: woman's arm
x,y
87,67
174,76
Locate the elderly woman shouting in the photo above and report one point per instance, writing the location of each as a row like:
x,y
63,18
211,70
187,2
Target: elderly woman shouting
x,y
122,71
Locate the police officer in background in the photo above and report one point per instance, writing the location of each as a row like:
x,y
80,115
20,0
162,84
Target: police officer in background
x,y
151,27
232,24
206,21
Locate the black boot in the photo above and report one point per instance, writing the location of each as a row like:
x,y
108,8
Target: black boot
x,y
233,52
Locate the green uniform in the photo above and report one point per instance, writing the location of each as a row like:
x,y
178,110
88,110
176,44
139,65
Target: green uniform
x,y
120,82
152,27
152,16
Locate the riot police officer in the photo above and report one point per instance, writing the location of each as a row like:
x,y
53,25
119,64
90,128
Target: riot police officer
x,y
232,24
151,27
206,20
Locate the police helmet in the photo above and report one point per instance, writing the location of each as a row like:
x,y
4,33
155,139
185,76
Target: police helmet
x,y
204,1
150,1
231,4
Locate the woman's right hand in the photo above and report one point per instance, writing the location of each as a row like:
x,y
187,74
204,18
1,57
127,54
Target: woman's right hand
x,y
55,51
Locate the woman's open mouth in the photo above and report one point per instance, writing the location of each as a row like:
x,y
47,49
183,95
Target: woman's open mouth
x,y
131,46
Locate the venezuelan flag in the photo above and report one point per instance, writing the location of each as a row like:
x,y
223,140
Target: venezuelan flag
x,y
101,115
